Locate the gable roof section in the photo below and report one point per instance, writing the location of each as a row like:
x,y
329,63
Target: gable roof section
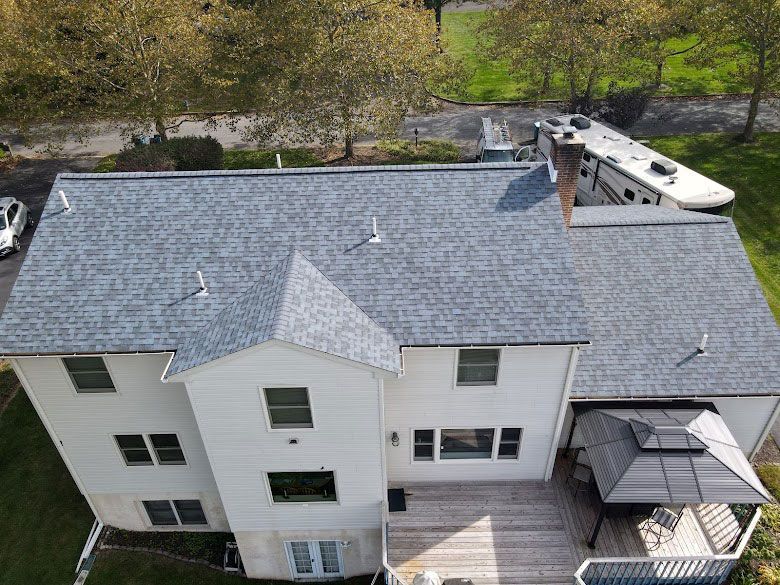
x,y
470,254
295,303
654,281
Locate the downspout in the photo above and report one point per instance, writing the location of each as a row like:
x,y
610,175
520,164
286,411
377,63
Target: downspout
x,y
766,431
575,352
47,425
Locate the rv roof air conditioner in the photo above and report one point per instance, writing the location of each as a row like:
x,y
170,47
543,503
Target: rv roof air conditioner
x,y
580,122
663,166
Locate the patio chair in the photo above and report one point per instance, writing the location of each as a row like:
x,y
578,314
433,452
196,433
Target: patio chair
x,y
659,528
580,477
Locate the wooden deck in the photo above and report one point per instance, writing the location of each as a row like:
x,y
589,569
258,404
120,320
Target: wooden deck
x,y
517,533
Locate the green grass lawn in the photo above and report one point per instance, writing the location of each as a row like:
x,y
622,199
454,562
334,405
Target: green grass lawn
x,y
44,519
490,79
753,171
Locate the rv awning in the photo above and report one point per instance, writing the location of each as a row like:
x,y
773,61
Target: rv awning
x,y
667,455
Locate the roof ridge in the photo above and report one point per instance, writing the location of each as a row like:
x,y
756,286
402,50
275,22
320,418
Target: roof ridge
x,y
304,171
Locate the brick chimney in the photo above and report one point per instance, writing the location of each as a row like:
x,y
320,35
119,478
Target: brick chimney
x,y
566,155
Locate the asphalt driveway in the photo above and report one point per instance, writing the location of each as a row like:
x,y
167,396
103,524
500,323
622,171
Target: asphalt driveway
x,y
31,182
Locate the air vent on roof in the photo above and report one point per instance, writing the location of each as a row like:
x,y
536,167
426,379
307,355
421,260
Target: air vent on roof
x,y
663,166
580,122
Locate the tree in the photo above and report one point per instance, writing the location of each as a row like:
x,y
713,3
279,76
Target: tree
x,y
131,61
747,34
585,40
359,67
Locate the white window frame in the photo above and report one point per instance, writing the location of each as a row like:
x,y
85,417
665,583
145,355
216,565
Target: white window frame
x,y
75,391
150,447
317,574
267,482
178,525
267,412
494,452
495,385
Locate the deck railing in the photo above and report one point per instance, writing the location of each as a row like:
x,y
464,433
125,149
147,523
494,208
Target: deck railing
x,y
699,570
391,577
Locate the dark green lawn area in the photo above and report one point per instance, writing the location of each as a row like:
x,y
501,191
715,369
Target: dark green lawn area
x,y
44,521
753,171
490,79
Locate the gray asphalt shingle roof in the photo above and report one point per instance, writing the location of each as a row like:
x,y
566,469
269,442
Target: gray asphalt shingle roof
x,y
654,281
295,303
470,254
667,455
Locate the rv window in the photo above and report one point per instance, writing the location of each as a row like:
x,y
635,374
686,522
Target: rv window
x,y
584,173
629,194
585,157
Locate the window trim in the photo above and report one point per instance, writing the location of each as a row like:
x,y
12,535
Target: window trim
x,y
494,385
178,526
267,410
74,389
267,481
494,451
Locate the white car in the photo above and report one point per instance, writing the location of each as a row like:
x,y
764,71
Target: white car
x,y
14,219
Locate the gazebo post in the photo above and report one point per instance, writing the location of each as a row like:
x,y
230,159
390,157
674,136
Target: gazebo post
x,y
597,526
567,448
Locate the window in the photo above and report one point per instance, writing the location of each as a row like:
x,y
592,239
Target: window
x,y
190,511
628,194
584,173
134,449
167,513
302,486
160,513
89,374
466,444
167,449
482,444
585,157
288,408
423,445
509,444
477,367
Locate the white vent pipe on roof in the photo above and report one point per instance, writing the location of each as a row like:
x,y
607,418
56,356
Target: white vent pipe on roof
x,y
204,290
374,232
278,161
65,204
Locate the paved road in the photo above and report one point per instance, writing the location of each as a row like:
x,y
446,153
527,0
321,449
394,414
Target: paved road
x,y
30,182
460,123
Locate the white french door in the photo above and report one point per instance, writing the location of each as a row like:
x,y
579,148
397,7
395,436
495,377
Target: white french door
x,y
315,559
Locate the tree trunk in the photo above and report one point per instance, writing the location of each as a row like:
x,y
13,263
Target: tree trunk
x,y
160,128
755,97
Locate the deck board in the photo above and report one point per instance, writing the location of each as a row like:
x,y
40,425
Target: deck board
x,y
527,532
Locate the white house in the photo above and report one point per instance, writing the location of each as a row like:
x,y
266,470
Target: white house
x,y
431,329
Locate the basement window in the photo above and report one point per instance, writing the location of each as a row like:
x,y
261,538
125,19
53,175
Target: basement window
x,y
477,367
89,374
302,486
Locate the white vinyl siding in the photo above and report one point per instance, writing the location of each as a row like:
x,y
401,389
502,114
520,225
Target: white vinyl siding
x,y
227,399
86,425
528,397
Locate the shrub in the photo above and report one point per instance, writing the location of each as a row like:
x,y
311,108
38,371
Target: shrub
x,y
624,106
148,158
427,151
194,153
266,159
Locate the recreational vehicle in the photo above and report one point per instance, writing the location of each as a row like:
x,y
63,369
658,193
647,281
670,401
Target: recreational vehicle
x,y
618,170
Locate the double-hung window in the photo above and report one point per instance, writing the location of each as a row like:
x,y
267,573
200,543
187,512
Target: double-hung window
x,y
478,367
302,486
89,374
175,512
485,444
288,408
